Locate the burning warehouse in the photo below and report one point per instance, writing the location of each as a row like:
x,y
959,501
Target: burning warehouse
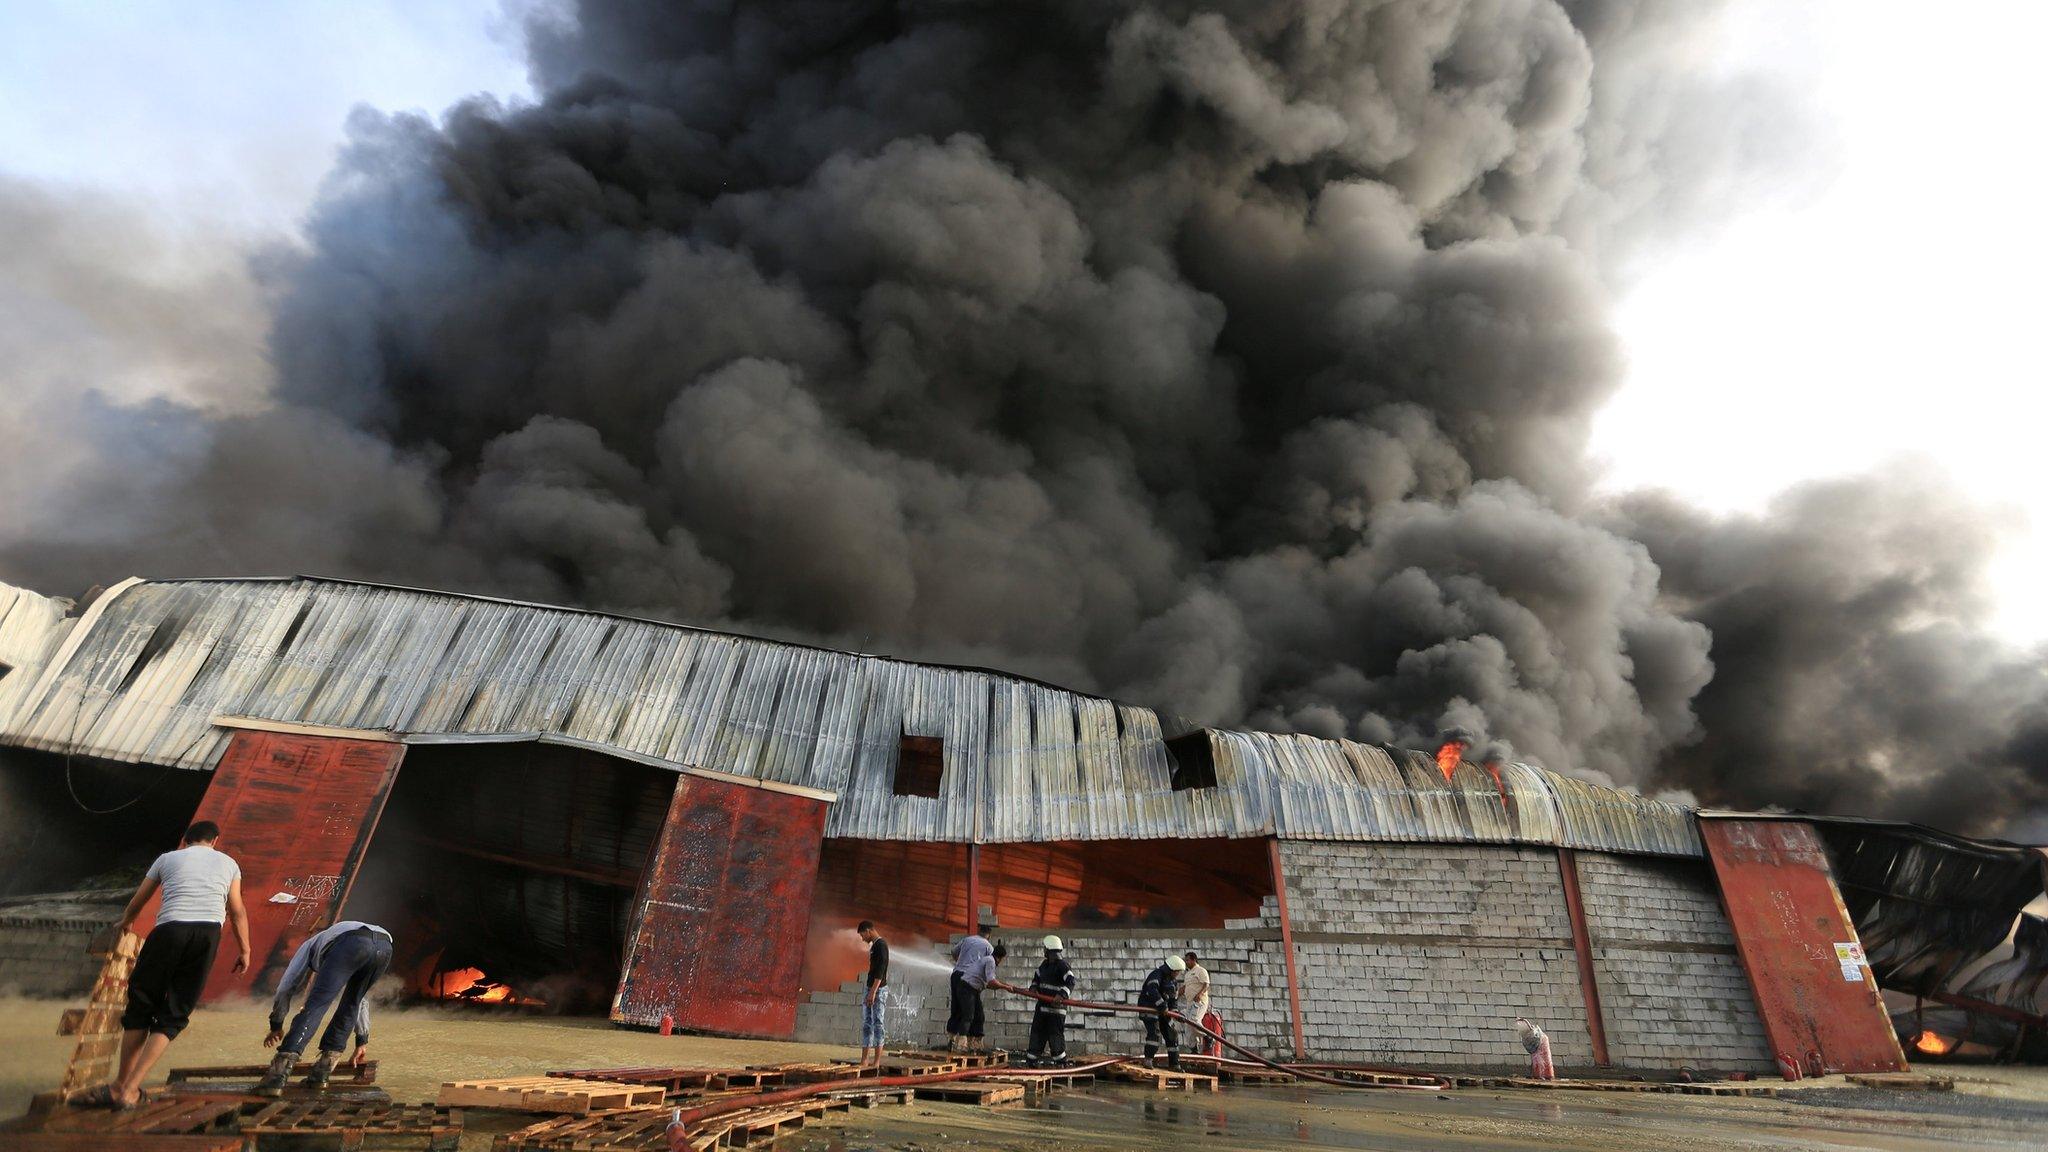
x,y
667,824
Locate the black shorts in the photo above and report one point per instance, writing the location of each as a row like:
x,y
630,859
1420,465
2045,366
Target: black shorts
x,y
169,976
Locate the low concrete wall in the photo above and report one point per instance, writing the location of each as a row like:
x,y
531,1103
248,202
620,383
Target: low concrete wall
x,y
43,942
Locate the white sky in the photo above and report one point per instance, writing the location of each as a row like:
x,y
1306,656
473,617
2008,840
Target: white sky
x,y
1894,312
1901,311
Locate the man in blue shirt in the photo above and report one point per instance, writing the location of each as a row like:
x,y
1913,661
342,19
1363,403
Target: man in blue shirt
x,y
342,963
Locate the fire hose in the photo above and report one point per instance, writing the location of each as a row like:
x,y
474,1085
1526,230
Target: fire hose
x,y
1300,1071
681,1120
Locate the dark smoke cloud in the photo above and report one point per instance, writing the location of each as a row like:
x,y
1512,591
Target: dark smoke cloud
x,y
1853,665
1235,361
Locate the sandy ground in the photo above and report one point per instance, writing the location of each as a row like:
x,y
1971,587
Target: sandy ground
x,y
1995,1108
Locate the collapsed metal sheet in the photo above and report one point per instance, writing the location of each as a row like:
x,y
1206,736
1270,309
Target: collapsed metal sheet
x,y
159,662
1927,904
296,813
31,628
717,943
1820,1006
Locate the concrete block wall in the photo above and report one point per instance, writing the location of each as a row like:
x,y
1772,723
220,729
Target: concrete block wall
x,y
1244,962
1672,990
1412,954
1425,953
43,942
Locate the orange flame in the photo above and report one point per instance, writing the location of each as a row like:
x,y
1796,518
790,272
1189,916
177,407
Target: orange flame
x,y
1932,1044
1448,755
468,985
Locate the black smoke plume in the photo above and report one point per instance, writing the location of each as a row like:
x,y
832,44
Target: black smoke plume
x,y
1237,360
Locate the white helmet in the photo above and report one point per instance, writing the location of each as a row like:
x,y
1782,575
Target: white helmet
x,y
1176,964
1052,943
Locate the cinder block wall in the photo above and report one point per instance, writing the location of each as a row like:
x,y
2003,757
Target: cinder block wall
x,y
1426,953
1419,954
1672,989
43,942
1243,959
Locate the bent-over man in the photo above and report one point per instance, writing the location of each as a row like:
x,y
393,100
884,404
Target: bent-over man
x,y
342,964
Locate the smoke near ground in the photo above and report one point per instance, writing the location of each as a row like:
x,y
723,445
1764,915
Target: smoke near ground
x,y
1235,361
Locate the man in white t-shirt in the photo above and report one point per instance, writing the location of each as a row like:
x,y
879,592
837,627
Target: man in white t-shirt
x,y
201,887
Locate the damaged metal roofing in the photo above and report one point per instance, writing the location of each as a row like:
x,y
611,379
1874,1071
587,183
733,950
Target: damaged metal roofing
x,y
31,628
156,664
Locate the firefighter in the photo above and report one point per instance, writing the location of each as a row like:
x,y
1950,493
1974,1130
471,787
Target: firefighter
x,y
1161,993
1054,978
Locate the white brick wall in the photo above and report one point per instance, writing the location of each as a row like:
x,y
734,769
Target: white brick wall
x,y
1672,990
1244,963
1426,953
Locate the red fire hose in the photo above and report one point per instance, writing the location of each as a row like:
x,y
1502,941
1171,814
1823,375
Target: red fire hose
x,y
1300,1071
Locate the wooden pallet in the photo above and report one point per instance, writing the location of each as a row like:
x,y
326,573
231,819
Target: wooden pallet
x,y
1367,1076
1051,1079
874,1097
162,1116
344,1074
94,1061
759,1126
958,1059
642,1130
110,1142
817,1072
1724,1089
346,1126
674,1081
981,1093
1909,1081
1233,1075
909,1066
1163,1079
548,1094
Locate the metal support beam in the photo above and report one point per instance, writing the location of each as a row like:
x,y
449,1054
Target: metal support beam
x,y
973,888
1287,947
1582,944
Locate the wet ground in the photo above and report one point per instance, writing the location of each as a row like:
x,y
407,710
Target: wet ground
x,y
1995,1108
1110,1118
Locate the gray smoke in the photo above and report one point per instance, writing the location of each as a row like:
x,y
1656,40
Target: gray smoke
x,y
1236,361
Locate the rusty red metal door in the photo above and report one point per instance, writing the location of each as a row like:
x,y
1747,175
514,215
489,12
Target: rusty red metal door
x,y
717,943
1819,1003
296,812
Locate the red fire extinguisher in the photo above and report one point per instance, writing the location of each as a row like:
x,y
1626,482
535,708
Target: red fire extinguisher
x,y
668,1024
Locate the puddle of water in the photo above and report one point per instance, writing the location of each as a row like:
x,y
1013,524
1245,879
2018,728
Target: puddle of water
x,y
1116,1119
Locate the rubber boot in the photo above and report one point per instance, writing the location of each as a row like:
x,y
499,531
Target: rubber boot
x,y
1173,1060
322,1069
274,1077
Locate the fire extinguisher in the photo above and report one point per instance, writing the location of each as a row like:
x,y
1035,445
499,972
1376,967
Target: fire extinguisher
x,y
668,1024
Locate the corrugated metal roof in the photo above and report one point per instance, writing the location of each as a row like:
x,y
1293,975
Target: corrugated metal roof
x,y
1023,760
31,628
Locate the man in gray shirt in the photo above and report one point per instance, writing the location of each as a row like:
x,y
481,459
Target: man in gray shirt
x,y
342,964
974,965
201,887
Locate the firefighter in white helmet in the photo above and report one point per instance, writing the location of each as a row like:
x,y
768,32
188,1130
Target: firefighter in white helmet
x,y
1161,993
1055,980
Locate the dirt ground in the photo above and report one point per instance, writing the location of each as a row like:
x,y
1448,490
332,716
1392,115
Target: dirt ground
x,y
1995,1108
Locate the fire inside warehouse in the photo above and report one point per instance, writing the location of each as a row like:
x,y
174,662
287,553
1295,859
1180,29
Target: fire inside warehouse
x,y
569,812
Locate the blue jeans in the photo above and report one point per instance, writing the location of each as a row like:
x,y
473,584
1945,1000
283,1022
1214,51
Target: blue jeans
x,y
871,1019
352,965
